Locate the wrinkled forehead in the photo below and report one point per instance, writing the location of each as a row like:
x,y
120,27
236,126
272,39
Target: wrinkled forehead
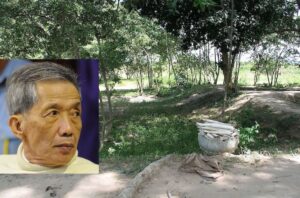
x,y
56,89
56,82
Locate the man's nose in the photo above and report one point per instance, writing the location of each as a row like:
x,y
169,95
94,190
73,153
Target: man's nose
x,y
65,126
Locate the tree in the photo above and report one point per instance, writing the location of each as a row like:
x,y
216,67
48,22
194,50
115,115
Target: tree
x,y
42,29
104,20
231,26
19,30
269,57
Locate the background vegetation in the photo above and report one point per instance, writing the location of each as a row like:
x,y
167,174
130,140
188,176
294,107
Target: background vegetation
x,y
168,48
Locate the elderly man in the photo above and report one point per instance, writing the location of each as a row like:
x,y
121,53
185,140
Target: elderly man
x,y
45,106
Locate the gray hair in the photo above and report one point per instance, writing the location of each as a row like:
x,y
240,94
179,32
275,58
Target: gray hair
x,y
21,85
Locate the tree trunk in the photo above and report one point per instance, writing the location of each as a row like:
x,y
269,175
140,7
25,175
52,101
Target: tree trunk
x,y
173,69
227,68
140,81
169,60
103,119
169,70
107,91
268,76
127,72
256,76
200,75
107,122
237,72
150,72
277,67
217,60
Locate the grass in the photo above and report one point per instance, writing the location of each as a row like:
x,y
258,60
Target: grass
x,y
166,103
157,135
290,76
149,130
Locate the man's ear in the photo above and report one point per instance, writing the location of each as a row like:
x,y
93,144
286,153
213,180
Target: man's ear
x,y
15,124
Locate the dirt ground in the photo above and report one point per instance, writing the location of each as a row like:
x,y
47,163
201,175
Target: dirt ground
x,y
252,176
104,185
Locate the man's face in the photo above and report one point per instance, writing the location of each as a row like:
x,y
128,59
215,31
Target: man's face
x,y
51,128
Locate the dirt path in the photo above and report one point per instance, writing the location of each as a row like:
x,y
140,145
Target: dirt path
x,y
256,176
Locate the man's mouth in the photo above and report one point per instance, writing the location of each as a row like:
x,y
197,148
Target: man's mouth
x,y
64,148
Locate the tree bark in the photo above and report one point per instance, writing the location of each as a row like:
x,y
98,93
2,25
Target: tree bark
x,y
217,60
150,72
237,72
107,121
103,119
108,95
140,81
227,68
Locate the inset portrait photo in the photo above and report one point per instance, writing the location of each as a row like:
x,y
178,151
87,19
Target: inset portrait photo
x,y
49,116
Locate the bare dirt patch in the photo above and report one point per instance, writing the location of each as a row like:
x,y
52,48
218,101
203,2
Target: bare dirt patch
x,y
244,176
107,185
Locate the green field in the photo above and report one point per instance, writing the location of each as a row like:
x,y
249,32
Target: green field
x,y
289,77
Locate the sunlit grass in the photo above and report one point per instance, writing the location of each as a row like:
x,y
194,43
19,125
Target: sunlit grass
x,y
289,75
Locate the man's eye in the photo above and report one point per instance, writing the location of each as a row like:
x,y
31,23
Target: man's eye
x,y
52,113
76,114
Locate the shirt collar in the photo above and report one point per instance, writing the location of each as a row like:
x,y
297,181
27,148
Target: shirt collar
x,y
24,164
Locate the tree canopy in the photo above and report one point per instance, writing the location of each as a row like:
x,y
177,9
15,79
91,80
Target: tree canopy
x,y
231,26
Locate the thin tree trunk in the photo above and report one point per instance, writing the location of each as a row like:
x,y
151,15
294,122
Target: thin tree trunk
x,y
149,72
200,67
268,76
237,72
277,67
173,69
217,59
107,122
256,76
169,61
200,75
140,81
169,71
103,119
108,92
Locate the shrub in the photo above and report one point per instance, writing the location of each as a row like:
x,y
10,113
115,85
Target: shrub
x,y
249,136
254,132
